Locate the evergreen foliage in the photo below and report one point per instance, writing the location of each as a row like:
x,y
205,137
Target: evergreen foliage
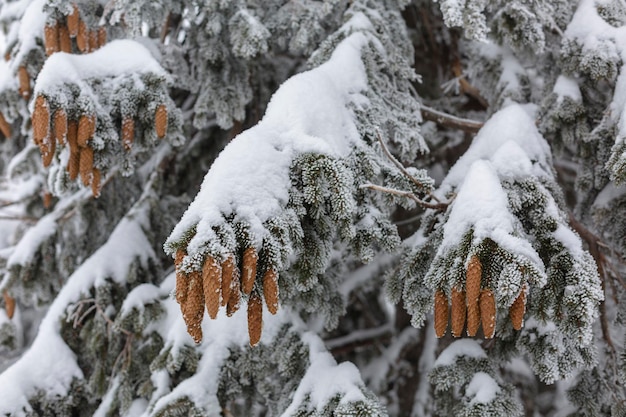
x,y
386,207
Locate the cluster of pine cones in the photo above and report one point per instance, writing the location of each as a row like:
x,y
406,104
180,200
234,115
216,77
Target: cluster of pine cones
x,y
474,304
223,285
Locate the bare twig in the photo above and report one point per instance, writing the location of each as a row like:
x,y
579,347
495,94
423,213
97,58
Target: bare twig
x,y
448,120
402,168
408,194
466,87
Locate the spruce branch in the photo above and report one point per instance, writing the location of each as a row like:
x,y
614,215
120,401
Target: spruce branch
x,y
449,120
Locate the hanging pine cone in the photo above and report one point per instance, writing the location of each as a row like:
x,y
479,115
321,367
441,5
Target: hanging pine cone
x,y
473,278
248,270
65,42
458,311
270,290
182,279
5,127
9,304
41,120
95,182
128,132
73,164
86,165
51,39
86,129
193,308
228,270
160,121
82,37
212,285
518,308
488,312
441,313
234,301
255,319
73,21
60,126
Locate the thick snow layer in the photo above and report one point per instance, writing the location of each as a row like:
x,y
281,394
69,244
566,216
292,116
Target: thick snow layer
x,y
49,365
482,389
514,124
308,114
482,205
7,80
30,28
116,58
567,87
463,347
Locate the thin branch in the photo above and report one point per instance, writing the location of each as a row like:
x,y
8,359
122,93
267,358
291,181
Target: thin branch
x,y
408,194
402,168
448,120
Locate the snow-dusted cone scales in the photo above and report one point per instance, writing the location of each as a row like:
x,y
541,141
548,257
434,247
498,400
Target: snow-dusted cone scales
x,y
473,278
160,121
488,312
73,20
92,37
234,300
5,127
96,177
248,270
517,310
82,36
102,36
255,318
212,284
193,308
48,147
51,38
182,279
60,126
9,304
24,81
457,313
270,290
86,165
228,270
441,313
41,120
65,42
128,132
73,164
86,129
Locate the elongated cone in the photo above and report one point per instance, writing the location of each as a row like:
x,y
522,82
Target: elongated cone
x,y
92,37
234,301
255,318
73,164
82,37
41,120
441,313
86,165
128,132
73,21
24,80
270,290
86,129
248,271
212,285
47,199
9,304
473,278
60,126
518,308
193,309
51,38
95,182
160,121
228,269
102,36
182,278
65,42
5,127
488,312
457,312
48,147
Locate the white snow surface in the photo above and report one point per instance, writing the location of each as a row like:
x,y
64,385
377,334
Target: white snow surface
x,y
116,58
458,348
482,388
30,28
49,365
308,114
567,87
